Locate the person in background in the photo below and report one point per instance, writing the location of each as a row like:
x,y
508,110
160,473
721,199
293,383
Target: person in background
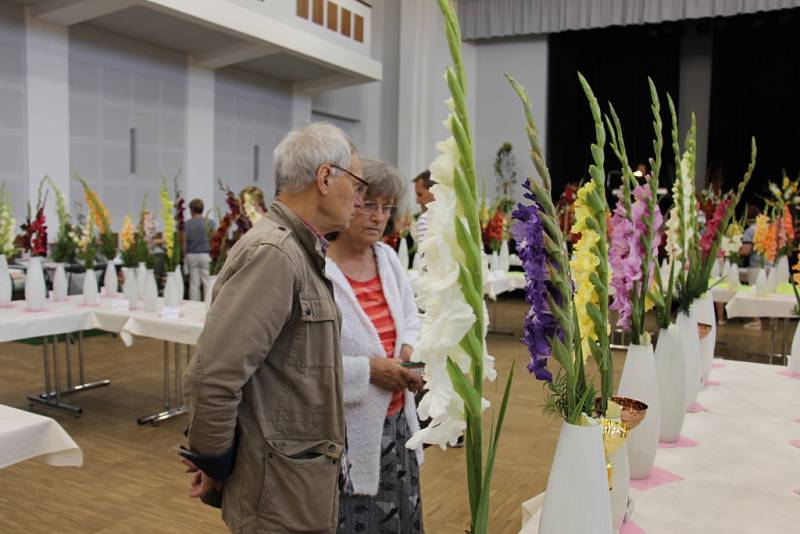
x,y
251,199
422,189
196,248
265,392
747,251
379,329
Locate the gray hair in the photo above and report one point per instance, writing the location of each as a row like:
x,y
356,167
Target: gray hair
x,y
384,180
301,152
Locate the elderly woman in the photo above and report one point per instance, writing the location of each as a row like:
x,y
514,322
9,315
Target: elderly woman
x,y
379,328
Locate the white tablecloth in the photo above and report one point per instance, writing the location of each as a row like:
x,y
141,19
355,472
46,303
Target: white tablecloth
x,y
742,476
25,435
748,304
57,318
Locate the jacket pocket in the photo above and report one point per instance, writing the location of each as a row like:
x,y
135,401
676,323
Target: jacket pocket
x,y
315,341
301,490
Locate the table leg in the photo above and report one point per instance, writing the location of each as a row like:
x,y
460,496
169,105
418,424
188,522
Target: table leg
x,y
170,410
83,386
53,392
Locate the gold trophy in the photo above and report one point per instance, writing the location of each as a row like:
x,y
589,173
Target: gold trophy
x,y
622,416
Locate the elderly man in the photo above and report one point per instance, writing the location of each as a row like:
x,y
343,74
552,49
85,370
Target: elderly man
x,y
267,426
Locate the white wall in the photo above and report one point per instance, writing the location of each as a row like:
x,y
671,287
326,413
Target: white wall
x,y
695,91
13,108
116,84
249,110
500,117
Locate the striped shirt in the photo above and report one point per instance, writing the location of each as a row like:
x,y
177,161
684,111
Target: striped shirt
x,y
372,300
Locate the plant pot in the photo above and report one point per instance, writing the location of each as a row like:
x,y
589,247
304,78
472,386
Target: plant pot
x,y
671,370
577,499
639,381
703,312
90,288
110,281
691,348
35,290
60,288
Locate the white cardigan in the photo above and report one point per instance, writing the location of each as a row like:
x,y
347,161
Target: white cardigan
x,y
366,404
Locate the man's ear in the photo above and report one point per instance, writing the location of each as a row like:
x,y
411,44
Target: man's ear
x,y
323,178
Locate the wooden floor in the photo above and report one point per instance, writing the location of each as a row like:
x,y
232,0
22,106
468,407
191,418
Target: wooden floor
x,y
131,481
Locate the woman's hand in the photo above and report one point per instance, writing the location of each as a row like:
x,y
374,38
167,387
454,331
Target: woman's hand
x,y
388,374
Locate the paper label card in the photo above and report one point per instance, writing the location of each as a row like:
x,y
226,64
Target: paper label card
x,y
170,312
120,305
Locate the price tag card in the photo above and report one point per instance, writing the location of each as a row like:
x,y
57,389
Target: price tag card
x,y
120,305
170,312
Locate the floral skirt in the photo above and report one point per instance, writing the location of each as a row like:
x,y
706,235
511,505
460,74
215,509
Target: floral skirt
x,y
396,508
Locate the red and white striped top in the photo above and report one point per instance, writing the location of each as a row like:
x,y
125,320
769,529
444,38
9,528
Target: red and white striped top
x,y
372,300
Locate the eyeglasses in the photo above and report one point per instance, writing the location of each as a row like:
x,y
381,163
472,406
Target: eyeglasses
x,y
362,186
368,208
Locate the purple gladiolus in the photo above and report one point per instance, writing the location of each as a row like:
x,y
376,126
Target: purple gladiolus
x,y
540,326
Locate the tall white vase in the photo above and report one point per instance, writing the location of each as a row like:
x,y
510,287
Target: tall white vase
x,y
35,290
60,289
703,312
90,288
6,289
733,277
150,297
691,347
794,357
772,280
670,359
110,281
715,269
726,268
782,270
129,287
208,290
577,498
505,257
402,254
620,487
494,263
639,381
761,283
179,289
141,279
171,291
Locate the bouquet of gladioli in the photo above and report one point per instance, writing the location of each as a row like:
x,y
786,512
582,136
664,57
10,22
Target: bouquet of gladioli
x,y
34,232
172,246
102,219
145,236
7,224
567,326
64,248
127,242
83,234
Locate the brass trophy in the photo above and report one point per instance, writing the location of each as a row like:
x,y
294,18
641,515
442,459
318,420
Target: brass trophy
x,y
622,416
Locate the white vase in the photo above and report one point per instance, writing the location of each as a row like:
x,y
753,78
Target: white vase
x,y
90,288
620,486
35,290
110,281
671,370
504,257
772,280
703,312
577,498
691,347
715,270
60,289
495,261
179,284
794,357
783,275
761,282
733,277
726,268
129,287
141,280
6,288
208,290
639,381
171,291
402,253
150,297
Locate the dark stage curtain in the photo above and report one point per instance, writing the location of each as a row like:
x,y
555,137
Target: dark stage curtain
x,y
616,62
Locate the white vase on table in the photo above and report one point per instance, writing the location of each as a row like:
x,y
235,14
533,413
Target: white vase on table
x,y
639,381
171,291
715,269
772,280
110,281
726,268
761,282
150,297
141,279
620,486
208,290
577,499
60,288
691,347
402,254
782,270
179,288
35,290
703,311
733,277
504,257
129,287
6,287
671,370
90,297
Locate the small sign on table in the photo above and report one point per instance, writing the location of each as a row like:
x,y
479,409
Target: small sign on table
x,y
171,312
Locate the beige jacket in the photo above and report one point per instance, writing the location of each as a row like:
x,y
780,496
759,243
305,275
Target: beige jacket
x,y
268,370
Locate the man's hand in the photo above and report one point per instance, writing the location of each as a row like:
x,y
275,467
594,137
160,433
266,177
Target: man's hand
x,y
200,484
388,374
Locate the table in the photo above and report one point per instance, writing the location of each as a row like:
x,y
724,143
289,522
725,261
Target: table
x,y
25,435
742,476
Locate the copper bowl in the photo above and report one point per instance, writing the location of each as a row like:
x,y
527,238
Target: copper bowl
x,y
633,411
